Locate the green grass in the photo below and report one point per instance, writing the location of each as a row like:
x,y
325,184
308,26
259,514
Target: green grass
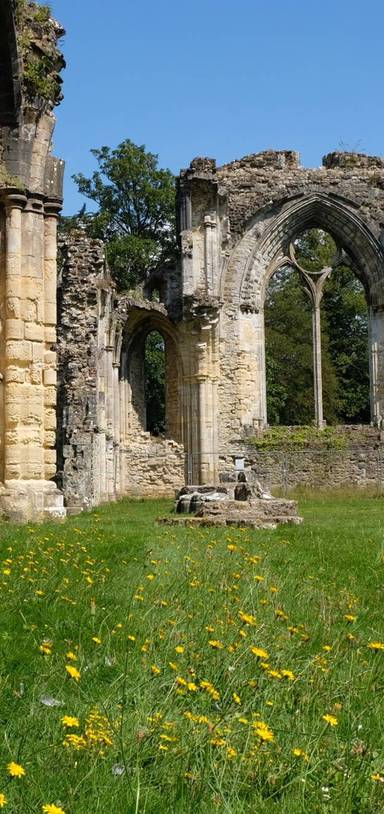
x,y
180,731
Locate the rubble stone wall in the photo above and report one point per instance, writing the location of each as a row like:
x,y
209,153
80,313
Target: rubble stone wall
x,y
359,464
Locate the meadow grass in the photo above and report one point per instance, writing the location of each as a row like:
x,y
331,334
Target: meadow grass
x,y
156,669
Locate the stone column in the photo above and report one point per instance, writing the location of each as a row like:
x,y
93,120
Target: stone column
x,y
17,353
204,416
51,210
376,363
29,334
210,252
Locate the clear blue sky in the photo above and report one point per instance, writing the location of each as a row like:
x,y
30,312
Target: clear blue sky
x,y
220,78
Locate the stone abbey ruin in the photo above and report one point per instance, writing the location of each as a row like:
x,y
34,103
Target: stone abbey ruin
x,y
73,410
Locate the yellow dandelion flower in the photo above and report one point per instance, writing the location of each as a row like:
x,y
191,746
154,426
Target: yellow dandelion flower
x,y
70,721
350,617
46,648
216,644
179,649
172,665
236,698
297,752
247,618
155,670
330,719
378,778
76,741
50,808
288,674
73,672
263,731
15,770
260,652
231,753
71,656
3,800
376,645
96,639
131,638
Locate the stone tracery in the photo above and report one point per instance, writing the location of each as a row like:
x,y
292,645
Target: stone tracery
x,y
236,225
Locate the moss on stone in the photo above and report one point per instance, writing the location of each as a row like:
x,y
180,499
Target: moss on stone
x,y
42,61
9,181
300,438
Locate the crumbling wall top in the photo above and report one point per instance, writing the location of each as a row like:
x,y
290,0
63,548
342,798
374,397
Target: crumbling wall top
x,y
349,160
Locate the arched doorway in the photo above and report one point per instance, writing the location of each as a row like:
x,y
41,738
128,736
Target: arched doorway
x,y
151,380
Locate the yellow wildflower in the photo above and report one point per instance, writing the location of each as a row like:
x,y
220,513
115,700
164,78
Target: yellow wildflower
x,y
155,670
73,672
70,721
3,800
288,674
71,656
236,698
379,778
376,645
216,644
179,649
350,617
330,719
247,618
96,639
50,808
15,770
263,731
297,752
259,652
77,741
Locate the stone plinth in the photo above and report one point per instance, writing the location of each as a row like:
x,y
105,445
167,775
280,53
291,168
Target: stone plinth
x,y
213,506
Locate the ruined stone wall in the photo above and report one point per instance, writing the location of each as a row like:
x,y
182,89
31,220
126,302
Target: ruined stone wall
x,y
104,450
30,200
237,222
154,467
359,462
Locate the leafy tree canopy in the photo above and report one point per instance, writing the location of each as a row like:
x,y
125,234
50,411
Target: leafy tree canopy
x,y
135,213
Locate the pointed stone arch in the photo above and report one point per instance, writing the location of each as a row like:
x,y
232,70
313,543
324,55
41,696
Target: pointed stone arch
x,y
264,248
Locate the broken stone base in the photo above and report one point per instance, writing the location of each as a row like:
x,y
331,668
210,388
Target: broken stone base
x,y
23,500
206,506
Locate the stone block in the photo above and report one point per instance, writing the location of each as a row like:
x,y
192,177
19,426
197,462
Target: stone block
x,y
14,329
50,396
19,350
49,335
34,332
50,377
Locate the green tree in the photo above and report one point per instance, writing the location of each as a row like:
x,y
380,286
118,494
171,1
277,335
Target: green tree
x,y
289,354
344,320
135,213
154,382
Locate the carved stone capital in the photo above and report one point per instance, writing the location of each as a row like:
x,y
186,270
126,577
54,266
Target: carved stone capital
x,y
52,208
13,199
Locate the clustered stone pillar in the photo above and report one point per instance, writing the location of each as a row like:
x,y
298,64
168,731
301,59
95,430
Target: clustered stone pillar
x,y
29,359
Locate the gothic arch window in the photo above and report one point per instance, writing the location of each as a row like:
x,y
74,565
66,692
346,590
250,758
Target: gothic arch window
x,y
316,318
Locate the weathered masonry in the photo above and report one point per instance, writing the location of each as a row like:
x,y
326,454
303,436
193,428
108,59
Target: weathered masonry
x,y
237,226
30,200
